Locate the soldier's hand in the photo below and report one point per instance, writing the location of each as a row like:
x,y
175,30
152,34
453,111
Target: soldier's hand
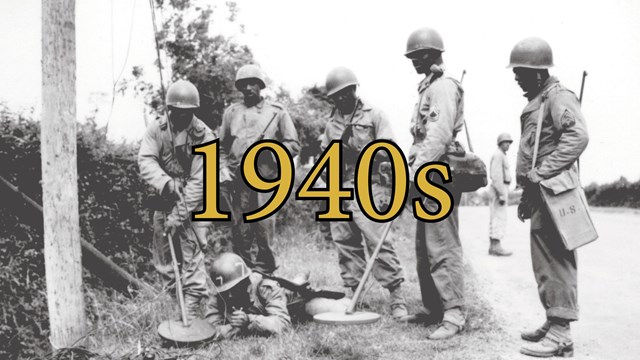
x,y
524,211
171,226
239,319
533,177
172,189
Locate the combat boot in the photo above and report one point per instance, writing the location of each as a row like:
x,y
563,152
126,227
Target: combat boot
x,y
496,249
557,342
452,324
398,304
537,334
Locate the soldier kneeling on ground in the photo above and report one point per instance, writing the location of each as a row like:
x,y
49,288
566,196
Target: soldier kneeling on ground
x,y
246,303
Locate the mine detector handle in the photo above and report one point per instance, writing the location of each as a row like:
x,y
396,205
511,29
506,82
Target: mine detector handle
x,y
176,270
367,271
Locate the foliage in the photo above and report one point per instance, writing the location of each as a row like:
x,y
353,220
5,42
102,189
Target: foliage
x,y
112,217
209,61
620,193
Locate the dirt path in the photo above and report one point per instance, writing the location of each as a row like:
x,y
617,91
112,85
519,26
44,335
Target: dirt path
x,y
608,283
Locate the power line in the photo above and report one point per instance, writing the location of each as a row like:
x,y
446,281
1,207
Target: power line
x,y
124,64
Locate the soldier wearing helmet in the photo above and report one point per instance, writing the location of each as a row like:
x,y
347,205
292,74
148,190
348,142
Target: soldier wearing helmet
x,y
438,116
244,302
357,123
563,137
167,164
243,124
500,180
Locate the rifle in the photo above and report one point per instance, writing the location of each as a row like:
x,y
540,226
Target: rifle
x,y
584,76
305,290
466,128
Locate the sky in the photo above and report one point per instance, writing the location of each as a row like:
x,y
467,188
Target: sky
x,y
298,42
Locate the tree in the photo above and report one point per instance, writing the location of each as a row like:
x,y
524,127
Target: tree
x,y
63,265
209,61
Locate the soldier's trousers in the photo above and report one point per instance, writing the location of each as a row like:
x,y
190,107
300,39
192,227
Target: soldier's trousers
x,y
554,267
189,256
348,236
245,235
498,216
440,264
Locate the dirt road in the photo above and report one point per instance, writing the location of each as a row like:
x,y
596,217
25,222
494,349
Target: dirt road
x,y
608,282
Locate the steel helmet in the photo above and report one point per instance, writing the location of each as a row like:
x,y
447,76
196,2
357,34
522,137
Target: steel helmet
x,y
533,53
423,39
338,79
250,71
227,271
504,137
183,94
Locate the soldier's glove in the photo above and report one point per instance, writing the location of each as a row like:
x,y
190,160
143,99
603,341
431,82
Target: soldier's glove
x,y
501,202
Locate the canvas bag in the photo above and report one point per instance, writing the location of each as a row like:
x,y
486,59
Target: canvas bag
x,y
565,200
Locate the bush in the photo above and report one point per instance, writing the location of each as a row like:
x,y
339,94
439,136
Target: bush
x,y
112,217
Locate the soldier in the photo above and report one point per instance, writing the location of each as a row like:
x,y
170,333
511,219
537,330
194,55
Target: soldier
x,y
437,118
357,123
246,303
167,164
243,124
500,180
563,137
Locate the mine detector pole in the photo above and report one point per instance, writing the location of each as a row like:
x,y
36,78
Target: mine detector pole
x,y
62,253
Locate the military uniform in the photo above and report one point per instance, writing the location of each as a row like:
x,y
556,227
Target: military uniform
x,y
266,310
241,127
166,156
368,124
563,138
500,180
438,117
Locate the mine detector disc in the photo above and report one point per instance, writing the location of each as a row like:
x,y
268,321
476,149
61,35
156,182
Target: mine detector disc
x,y
342,318
198,330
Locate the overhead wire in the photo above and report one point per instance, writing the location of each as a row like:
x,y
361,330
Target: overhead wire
x,y
124,64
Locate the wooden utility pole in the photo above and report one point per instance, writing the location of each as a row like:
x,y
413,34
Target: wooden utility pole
x,y
62,252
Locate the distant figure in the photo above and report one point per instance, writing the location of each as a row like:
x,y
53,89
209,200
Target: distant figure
x,y
500,180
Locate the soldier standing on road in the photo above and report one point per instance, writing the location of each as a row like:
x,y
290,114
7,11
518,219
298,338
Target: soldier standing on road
x,y
500,180
437,118
166,163
563,138
357,124
243,124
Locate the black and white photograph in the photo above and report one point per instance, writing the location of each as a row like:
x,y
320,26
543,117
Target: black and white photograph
x,y
350,180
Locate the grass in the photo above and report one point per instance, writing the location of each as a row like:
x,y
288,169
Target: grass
x,y
124,327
